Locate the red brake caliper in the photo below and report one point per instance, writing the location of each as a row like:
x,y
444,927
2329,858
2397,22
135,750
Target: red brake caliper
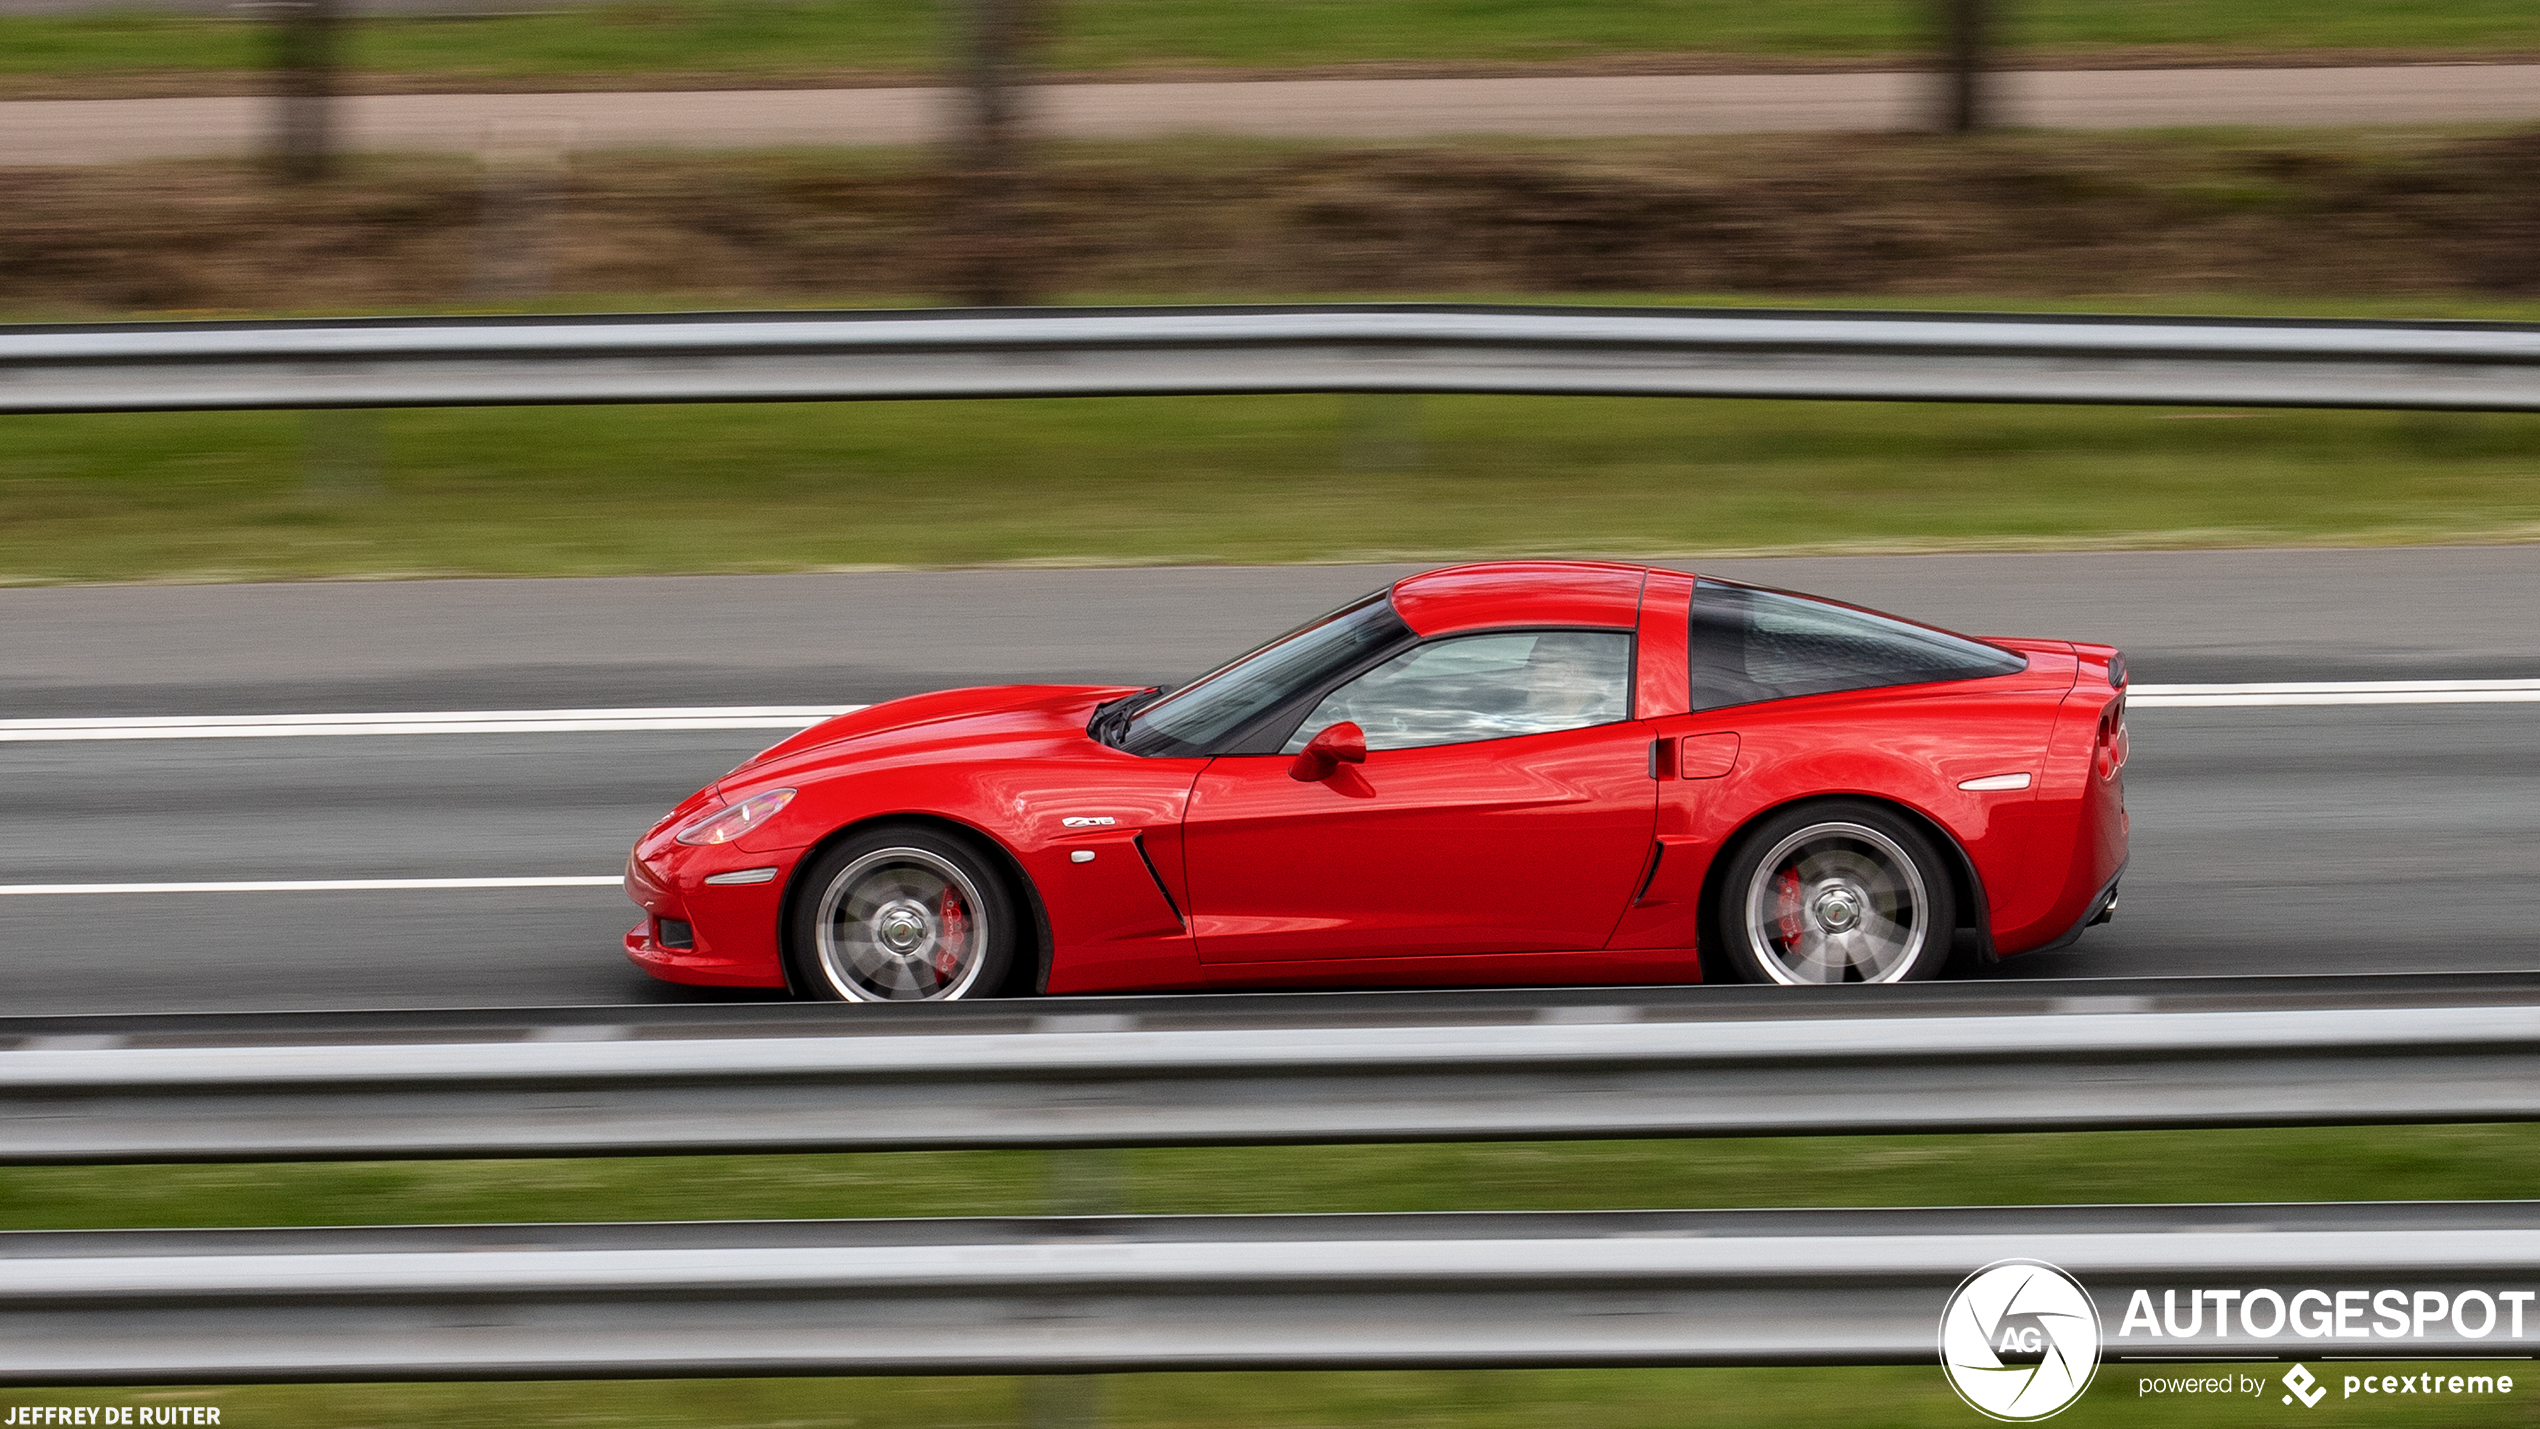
x,y
1791,924
948,946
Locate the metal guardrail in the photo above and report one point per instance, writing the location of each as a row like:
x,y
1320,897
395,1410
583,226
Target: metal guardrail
x,y
1115,1293
762,357
773,1015
1151,1072
1174,1293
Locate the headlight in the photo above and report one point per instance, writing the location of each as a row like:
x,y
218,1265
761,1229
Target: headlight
x,y
724,825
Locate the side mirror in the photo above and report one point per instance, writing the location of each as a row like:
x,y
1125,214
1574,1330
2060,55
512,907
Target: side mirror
x,y
1325,753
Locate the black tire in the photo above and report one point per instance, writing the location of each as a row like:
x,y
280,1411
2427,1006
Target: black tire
x,y
1837,891
901,913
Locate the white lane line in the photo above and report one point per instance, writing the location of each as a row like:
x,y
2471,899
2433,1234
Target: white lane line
x,y
292,726
2335,692
2314,692
791,717
312,885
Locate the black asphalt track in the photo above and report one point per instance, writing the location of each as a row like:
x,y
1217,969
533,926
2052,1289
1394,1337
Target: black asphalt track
x,y
2384,838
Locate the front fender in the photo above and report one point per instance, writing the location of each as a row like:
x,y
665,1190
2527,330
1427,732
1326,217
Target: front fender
x,y
1095,835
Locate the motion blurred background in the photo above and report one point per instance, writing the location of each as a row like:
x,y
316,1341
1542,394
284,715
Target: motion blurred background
x,y
204,158
2351,158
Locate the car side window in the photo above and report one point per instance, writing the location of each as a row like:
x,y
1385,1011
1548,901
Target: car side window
x,y
1751,645
1474,687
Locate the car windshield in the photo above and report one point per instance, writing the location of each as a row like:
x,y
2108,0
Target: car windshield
x,y
1197,717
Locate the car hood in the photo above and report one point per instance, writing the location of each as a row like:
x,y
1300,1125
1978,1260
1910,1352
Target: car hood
x,y
989,713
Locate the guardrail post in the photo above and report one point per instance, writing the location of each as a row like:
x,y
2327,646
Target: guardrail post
x,y
1383,432
1079,1181
1086,1181
1966,101
524,177
304,54
1062,1401
990,252
339,454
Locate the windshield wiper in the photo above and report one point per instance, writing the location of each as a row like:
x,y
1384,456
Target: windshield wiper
x,y
1110,723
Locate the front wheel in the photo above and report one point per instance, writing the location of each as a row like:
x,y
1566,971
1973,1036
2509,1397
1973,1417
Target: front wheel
x,y
1836,892
901,914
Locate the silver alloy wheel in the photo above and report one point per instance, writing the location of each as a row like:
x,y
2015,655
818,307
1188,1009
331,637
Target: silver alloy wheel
x,y
1837,902
902,925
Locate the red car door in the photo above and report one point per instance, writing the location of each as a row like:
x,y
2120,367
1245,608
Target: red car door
x,y
1505,805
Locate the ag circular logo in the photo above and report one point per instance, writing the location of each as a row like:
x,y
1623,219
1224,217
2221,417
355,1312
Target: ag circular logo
x,y
2020,1340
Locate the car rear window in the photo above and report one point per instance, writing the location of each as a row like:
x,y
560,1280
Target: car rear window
x,y
1751,644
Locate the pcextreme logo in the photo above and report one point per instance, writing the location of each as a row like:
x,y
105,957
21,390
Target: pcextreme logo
x,y
2305,1385
2020,1340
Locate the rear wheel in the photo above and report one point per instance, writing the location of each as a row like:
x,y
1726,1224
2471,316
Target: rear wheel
x,y
1836,892
901,914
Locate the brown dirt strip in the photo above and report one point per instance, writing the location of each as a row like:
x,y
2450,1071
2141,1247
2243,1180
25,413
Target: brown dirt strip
x,y
1407,110
2043,215
234,83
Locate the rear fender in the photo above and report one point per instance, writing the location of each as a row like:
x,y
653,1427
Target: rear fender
x,y
1974,930
1913,751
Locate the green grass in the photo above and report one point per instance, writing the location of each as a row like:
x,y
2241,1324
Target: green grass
x,y
642,490
2379,1163
2399,1163
1906,1397
586,491
754,37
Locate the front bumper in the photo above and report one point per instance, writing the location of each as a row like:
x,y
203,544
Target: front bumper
x,y
732,928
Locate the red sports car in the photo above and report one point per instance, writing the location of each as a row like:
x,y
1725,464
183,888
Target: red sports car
x,y
1520,772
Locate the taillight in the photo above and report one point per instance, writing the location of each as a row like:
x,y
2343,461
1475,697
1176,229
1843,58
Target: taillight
x,y
2110,753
